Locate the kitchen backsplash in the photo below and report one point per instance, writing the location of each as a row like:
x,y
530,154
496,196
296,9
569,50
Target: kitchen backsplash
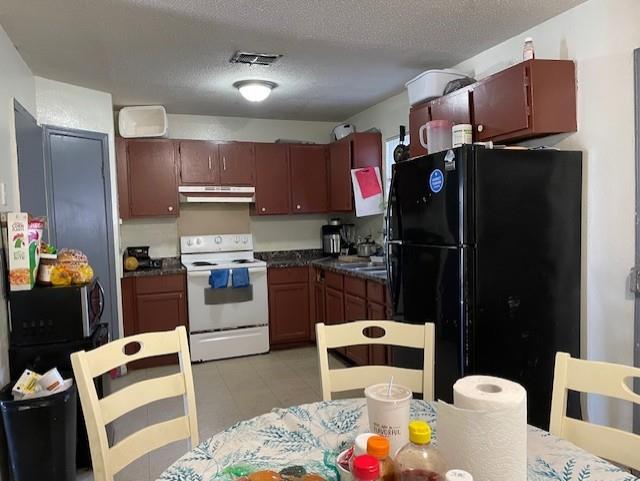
x,y
269,233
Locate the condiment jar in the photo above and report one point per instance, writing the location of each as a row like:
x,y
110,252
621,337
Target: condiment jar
x,y
419,460
378,447
365,468
359,447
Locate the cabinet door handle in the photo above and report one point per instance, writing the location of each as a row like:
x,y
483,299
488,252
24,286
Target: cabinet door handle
x,y
170,208
298,206
480,128
263,209
209,162
224,163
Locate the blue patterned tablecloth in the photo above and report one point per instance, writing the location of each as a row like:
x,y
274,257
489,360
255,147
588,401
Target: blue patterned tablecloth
x,y
310,435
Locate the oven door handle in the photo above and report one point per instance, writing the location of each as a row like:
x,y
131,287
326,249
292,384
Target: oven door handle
x,y
207,273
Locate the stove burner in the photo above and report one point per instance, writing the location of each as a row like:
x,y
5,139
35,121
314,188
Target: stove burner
x,y
242,261
203,263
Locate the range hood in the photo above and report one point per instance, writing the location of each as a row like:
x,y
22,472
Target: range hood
x,y
216,193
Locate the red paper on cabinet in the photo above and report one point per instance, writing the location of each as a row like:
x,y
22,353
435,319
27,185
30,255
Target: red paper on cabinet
x,y
368,182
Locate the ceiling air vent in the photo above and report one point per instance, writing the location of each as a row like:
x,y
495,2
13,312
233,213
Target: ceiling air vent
x,y
254,58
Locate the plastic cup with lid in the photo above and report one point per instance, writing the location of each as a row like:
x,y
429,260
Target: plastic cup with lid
x,y
388,411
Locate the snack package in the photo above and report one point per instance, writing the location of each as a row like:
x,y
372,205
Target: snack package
x,y
24,236
27,384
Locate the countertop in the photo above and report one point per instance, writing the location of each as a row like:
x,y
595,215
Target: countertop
x,y
292,258
170,266
315,257
334,265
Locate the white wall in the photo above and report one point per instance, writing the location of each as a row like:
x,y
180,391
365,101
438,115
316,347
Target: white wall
x,y
16,81
600,35
65,105
270,233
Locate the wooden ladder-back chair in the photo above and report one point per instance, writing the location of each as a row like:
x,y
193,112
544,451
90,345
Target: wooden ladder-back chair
x,y
419,336
596,378
107,461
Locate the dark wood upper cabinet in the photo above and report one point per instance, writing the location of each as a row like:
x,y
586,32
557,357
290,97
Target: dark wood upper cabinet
x,y
308,178
530,99
455,107
152,178
418,116
237,163
199,162
500,104
273,183
123,178
340,197
366,148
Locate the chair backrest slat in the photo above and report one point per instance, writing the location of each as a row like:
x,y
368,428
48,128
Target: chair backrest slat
x,y
107,461
112,355
396,334
146,440
144,392
363,376
595,378
605,442
420,336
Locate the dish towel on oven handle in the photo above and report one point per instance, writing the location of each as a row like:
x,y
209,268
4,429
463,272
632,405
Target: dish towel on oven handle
x,y
240,277
219,278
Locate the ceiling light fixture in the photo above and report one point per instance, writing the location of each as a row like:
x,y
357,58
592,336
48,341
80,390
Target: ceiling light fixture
x,y
255,90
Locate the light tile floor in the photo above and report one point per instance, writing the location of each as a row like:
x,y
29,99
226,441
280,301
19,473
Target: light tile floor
x,y
227,391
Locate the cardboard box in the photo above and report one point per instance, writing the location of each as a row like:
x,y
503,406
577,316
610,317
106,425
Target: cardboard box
x,y
24,250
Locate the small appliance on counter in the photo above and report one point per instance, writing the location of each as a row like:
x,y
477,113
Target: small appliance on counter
x,y
138,258
337,238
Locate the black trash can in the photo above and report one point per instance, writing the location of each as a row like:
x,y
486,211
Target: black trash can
x,y
40,436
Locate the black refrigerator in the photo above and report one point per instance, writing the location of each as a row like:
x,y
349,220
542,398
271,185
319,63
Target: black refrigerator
x,y
485,243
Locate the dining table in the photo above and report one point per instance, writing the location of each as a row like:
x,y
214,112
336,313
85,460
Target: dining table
x,y
307,438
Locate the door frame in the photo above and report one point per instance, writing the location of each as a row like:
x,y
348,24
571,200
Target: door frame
x,y
636,351
47,131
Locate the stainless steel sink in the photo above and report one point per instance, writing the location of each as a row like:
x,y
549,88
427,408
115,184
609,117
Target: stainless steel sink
x,y
370,268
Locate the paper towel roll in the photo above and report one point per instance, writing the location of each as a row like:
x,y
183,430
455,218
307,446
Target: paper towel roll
x,y
485,431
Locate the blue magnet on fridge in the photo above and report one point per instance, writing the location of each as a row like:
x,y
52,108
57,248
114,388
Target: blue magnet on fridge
x,y
436,181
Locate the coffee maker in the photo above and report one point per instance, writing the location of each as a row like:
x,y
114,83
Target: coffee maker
x,y
331,238
337,238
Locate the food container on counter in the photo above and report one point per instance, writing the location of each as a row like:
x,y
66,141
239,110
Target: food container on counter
x,y
47,262
461,134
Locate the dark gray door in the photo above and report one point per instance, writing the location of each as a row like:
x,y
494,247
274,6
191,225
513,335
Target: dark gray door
x,y
31,171
80,214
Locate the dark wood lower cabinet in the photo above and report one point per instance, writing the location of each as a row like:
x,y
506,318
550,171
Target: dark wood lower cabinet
x,y
289,309
355,309
150,304
289,313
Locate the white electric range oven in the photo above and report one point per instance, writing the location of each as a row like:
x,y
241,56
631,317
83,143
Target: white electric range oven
x,y
226,322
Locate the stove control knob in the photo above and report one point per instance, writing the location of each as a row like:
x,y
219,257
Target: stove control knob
x,y
218,240
245,240
198,241
189,242
236,239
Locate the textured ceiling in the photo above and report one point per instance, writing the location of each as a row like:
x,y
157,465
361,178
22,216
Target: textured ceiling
x,y
340,56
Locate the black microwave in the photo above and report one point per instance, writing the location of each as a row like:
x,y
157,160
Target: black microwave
x,y
54,314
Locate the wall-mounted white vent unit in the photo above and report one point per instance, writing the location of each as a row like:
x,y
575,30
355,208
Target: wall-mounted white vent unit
x,y
143,121
249,58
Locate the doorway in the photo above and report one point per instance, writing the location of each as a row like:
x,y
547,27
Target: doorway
x,y
79,200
